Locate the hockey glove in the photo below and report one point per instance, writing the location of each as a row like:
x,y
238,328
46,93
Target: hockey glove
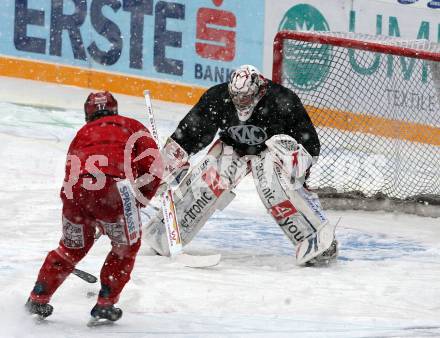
x,y
176,164
291,156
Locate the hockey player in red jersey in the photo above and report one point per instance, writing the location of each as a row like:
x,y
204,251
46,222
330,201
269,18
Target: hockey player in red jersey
x,y
113,166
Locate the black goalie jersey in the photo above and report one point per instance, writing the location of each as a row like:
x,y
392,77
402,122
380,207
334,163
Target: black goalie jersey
x,y
279,111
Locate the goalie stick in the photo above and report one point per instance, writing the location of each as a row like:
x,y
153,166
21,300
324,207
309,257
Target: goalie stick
x,y
170,216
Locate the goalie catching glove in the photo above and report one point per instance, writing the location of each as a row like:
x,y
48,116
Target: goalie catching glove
x,y
291,156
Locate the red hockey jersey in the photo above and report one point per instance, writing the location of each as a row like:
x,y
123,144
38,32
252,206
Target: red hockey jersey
x,y
101,147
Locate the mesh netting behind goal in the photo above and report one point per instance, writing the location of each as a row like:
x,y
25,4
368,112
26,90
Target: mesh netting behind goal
x,y
375,101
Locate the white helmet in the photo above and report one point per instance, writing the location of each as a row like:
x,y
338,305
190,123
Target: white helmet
x,y
246,87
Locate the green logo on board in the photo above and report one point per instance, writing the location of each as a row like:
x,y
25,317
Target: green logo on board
x,y
306,65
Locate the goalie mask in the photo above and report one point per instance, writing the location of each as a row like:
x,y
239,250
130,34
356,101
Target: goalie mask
x,y
246,87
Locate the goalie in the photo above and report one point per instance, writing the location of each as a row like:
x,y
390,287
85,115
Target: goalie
x,y
264,130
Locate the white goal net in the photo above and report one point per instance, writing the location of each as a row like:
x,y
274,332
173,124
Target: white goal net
x,y
376,103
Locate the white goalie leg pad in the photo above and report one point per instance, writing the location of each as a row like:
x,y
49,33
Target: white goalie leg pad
x,y
312,248
276,200
207,187
296,210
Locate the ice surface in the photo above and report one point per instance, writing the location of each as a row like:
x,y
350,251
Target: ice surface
x,y
385,283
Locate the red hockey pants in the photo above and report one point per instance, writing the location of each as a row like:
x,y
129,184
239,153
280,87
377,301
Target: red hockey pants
x,y
114,211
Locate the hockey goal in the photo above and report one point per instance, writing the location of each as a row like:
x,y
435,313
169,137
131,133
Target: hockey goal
x,y
375,101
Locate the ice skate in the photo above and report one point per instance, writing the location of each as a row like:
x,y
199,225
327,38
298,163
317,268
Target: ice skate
x,y
102,315
327,257
39,309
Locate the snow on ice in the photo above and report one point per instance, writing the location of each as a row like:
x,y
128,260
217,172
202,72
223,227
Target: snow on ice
x,y
384,284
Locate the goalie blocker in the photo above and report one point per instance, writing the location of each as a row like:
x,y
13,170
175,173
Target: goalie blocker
x,y
209,185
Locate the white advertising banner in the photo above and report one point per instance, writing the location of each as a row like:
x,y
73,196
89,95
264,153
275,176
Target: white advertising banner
x,y
409,19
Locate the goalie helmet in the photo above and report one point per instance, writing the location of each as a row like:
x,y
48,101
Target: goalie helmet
x,y
100,104
246,87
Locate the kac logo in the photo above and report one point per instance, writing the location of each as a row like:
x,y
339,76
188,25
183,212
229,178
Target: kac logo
x,y
248,134
307,65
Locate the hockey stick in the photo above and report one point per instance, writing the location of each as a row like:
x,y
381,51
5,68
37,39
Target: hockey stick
x,y
169,213
85,276
167,201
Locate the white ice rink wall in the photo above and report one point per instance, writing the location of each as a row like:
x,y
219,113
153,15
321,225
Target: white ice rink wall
x,y
177,48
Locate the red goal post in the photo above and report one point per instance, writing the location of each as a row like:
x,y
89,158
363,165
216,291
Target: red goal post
x,y
375,101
